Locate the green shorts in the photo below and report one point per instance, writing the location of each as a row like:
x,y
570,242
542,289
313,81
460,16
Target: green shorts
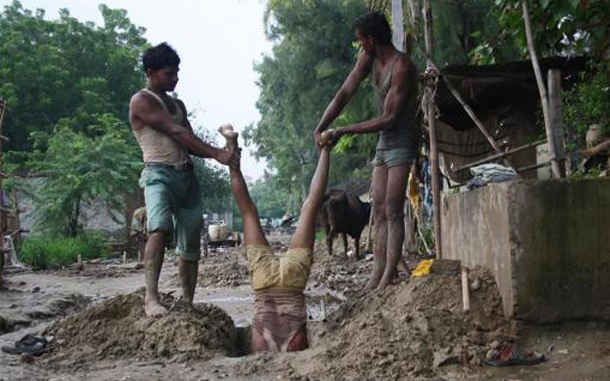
x,y
173,204
394,157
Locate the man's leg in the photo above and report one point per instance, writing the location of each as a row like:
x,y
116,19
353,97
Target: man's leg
x,y
153,260
305,235
380,178
188,270
394,207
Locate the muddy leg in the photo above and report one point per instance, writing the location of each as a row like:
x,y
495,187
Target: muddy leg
x,y
380,177
153,261
394,204
188,277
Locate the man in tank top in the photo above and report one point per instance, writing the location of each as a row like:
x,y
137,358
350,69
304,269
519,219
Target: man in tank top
x,y
394,78
171,191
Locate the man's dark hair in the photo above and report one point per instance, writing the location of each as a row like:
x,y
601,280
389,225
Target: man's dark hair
x,y
374,24
159,57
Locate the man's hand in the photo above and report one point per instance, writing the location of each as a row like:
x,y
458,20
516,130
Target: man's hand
x,y
317,136
228,156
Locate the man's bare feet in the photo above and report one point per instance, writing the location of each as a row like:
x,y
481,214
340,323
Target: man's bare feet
x,y
153,308
226,130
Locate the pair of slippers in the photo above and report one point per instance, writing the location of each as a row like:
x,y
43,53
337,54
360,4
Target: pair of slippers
x,y
28,344
508,355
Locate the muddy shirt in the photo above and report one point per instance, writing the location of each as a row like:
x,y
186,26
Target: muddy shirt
x,y
156,146
404,132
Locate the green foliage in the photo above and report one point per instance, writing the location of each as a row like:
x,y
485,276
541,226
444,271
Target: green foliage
x,y
586,104
57,69
559,27
215,186
270,199
313,54
82,168
49,251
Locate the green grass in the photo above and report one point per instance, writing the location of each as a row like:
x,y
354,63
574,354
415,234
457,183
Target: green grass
x,y
47,251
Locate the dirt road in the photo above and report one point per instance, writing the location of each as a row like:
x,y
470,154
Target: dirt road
x,y
415,330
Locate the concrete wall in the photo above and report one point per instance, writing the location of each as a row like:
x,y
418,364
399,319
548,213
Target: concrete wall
x,y
546,241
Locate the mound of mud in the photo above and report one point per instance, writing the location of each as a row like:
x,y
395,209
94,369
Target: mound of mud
x,y
228,274
338,273
412,329
119,329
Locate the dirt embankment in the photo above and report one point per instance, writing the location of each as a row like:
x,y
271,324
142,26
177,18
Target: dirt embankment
x,y
118,329
412,330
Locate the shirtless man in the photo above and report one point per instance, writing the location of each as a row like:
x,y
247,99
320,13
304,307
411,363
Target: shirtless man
x,y
171,191
394,78
280,314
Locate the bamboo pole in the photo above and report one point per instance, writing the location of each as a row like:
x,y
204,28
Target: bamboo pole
x,y
556,117
2,213
499,155
556,168
431,113
398,32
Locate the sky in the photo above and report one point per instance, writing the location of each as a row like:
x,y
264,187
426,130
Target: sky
x,y
218,41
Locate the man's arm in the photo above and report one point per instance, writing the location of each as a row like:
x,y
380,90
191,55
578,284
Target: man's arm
x,y
153,115
397,94
345,93
598,149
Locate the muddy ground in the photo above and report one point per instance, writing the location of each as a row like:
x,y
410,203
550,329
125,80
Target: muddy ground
x,y
415,330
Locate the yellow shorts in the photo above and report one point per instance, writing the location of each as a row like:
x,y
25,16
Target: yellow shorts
x,y
287,272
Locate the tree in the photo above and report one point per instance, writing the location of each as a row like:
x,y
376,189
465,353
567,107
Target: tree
x,y
65,69
313,54
79,169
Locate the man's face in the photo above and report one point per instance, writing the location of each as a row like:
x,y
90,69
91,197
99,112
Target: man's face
x,y
367,43
164,79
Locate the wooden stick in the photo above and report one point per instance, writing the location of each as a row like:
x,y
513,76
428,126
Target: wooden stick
x,y
465,290
542,90
431,113
556,118
499,155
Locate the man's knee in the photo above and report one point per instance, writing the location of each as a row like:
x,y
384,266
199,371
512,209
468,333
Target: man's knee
x,y
394,210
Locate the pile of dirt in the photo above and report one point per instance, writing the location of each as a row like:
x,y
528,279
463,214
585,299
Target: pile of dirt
x,y
413,329
118,329
229,274
346,275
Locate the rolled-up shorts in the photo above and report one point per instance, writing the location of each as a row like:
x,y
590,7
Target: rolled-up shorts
x,y
288,272
173,204
394,157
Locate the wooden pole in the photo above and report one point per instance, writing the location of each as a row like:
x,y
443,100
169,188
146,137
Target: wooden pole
x,y
465,290
398,29
2,212
431,114
542,90
556,118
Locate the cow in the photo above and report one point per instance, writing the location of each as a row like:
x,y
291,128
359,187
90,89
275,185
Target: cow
x,y
343,213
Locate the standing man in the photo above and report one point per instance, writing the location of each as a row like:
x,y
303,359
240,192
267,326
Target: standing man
x,y
171,191
394,78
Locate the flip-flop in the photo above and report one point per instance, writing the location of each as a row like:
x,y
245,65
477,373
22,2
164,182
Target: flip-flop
x,y
30,344
508,356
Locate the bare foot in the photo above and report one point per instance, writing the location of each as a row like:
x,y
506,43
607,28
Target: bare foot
x,y
226,130
153,308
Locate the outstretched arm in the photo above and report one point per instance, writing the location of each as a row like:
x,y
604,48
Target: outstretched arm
x,y
396,97
345,93
149,112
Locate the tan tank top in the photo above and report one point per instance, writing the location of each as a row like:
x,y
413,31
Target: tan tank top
x,y
156,146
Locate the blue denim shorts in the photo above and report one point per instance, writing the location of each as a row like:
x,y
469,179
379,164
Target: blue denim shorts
x,y
173,204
